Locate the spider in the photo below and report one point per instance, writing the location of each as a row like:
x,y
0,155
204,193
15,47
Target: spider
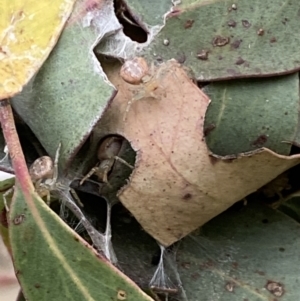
x,y
107,154
44,175
136,72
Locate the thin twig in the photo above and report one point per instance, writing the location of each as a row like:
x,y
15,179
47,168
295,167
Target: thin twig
x,y
14,147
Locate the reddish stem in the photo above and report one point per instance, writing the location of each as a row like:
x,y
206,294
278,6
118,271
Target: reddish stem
x,y
14,147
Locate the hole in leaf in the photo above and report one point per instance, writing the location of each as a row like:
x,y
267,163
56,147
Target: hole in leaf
x,y
113,158
132,26
295,149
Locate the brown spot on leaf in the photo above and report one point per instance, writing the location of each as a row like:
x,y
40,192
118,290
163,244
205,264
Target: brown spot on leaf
x,y
240,61
235,265
203,55
261,273
19,219
121,295
246,23
188,24
273,40
220,41
261,32
159,59
174,13
236,44
275,288
187,196
229,287
37,285
260,141
231,23
181,58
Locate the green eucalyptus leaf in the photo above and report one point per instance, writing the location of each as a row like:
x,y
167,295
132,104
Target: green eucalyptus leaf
x,y
68,95
247,114
246,254
225,39
53,261
149,12
291,207
5,186
236,256
5,165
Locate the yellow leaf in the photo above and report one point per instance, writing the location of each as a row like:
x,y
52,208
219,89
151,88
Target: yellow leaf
x,y
29,30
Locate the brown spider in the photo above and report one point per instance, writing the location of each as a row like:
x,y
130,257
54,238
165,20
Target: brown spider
x,y
136,72
44,175
107,155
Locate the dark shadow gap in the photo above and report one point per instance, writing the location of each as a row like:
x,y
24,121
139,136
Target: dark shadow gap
x,y
132,25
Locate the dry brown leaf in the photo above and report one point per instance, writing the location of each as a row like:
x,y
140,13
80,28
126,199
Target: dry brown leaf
x,y
177,185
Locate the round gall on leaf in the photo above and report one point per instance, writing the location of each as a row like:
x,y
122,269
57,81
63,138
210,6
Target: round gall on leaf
x,y
134,70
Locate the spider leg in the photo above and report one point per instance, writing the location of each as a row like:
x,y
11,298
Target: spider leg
x,y
127,109
5,194
52,181
55,172
104,178
89,174
6,154
76,197
123,161
103,170
48,198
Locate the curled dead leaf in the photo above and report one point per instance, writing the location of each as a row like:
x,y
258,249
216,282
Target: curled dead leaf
x,y
177,185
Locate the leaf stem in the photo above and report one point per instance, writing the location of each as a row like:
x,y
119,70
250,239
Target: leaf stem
x,y
14,147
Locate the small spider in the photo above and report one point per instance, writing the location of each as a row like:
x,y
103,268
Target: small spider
x,y
44,174
107,155
136,72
